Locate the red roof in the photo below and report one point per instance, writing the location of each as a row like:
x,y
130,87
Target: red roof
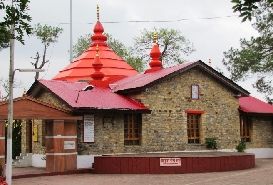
x,y
253,105
150,77
74,94
143,79
114,67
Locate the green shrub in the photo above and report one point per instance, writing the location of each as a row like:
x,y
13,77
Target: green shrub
x,y
241,146
211,143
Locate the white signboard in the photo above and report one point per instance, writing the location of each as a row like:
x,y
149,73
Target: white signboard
x,y
170,161
69,145
88,128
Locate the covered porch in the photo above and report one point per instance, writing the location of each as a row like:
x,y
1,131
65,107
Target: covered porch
x,y
60,132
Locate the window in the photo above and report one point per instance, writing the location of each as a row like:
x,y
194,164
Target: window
x,y
245,128
193,127
132,129
195,92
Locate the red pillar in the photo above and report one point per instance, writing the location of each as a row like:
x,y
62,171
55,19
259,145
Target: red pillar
x,y
2,145
61,150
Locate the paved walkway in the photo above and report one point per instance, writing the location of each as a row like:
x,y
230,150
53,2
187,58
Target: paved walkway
x,y
262,174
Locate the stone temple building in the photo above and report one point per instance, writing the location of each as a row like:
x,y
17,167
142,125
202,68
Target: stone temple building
x,y
99,104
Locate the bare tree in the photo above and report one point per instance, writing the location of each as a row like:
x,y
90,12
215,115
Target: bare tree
x,y
4,88
48,35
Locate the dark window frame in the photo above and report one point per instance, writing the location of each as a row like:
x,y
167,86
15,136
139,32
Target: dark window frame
x,y
245,128
194,128
132,129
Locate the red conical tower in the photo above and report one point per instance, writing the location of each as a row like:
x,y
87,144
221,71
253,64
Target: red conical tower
x,y
155,63
114,67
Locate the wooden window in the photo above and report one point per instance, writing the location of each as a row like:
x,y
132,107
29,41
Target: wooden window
x,y
132,129
245,128
193,128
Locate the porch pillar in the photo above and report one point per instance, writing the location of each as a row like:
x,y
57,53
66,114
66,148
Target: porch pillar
x,y
61,150
2,145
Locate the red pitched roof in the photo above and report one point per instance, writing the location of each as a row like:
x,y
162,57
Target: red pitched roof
x,y
144,79
73,94
253,105
114,67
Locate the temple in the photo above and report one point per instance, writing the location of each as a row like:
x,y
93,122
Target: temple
x,y
99,105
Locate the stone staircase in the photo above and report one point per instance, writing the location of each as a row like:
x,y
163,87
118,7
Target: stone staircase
x,y
24,160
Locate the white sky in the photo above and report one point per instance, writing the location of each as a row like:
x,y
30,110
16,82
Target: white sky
x,y
210,37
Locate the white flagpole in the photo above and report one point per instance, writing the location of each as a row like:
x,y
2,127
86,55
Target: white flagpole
x,y
71,41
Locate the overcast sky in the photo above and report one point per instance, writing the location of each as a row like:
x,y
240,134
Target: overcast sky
x,y
211,37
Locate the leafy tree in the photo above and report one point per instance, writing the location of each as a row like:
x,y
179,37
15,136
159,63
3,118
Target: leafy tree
x,y
4,37
119,48
16,15
172,43
255,55
81,45
246,7
48,35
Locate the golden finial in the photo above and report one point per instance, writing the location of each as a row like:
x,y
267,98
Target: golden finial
x,y
155,37
98,12
97,51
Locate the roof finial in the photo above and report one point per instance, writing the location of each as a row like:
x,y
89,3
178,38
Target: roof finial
x,y
98,12
155,55
98,37
97,65
155,38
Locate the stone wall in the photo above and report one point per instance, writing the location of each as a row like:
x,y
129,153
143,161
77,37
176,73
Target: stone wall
x,y
37,146
168,101
50,98
24,145
262,133
109,136
165,129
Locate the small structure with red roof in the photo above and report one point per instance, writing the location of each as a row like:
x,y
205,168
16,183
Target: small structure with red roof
x,y
111,108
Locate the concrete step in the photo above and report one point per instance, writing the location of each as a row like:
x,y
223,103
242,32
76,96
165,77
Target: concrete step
x,y
24,160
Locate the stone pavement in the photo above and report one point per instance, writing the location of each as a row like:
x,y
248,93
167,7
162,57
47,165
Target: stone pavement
x,y
262,174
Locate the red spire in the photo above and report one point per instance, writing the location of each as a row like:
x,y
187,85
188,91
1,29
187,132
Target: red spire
x,y
155,54
98,38
97,65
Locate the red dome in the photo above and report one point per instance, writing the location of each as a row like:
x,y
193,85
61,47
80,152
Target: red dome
x,y
113,67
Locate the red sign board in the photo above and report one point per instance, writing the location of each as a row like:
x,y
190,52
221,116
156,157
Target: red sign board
x,y
170,161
